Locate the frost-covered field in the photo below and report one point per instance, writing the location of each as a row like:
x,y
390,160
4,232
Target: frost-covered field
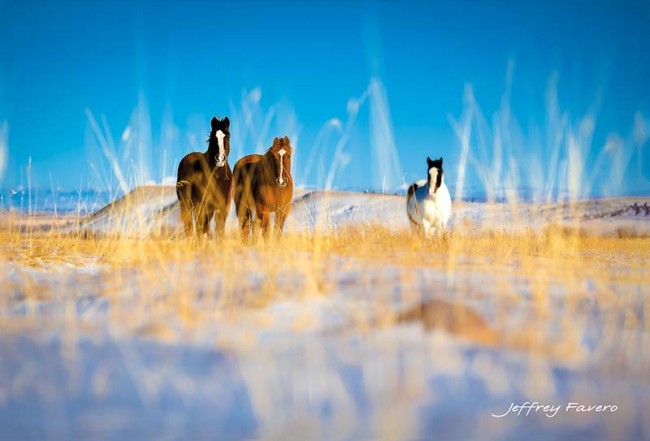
x,y
113,327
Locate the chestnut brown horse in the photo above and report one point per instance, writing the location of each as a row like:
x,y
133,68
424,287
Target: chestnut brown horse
x,y
263,184
204,183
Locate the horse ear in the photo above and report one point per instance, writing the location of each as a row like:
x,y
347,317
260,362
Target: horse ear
x,y
226,121
429,161
286,140
441,161
214,122
275,141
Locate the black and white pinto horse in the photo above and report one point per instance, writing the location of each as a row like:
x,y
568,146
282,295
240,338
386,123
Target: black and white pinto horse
x,y
428,203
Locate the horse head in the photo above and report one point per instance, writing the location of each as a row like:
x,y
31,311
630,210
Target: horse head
x,y
434,174
219,142
281,152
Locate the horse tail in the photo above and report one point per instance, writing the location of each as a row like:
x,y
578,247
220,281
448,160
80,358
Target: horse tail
x,y
410,193
235,191
413,221
184,192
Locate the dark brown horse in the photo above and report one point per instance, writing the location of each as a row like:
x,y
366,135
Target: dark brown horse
x,y
204,182
263,184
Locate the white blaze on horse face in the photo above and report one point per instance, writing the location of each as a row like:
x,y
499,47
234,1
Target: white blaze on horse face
x,y
281,152
221,158
433,176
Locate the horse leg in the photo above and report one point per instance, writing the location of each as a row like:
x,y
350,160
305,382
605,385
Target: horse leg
x,y
256,226
245,216
265,221
440,228
222,207
200,225
186,217
436,229
426,227
242,219
280,218
220,222
209,214
245,226
202,221
183,191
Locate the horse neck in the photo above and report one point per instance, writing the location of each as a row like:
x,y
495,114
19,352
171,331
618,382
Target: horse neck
x,y
432,185
270,165
212,152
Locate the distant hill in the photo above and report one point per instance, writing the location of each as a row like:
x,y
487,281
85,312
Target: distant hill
x,y
154,210
45,200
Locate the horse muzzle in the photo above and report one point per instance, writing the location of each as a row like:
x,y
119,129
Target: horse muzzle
x,y
221,160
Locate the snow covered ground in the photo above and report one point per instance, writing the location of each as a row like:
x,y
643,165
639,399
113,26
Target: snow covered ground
x,y
93,357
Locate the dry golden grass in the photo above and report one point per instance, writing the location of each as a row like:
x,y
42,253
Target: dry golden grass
x,y
373,242
154,289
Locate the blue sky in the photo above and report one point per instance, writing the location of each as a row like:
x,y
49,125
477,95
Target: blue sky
x,y
162,69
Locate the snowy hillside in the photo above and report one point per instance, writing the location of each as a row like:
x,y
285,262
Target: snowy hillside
x,y
151,210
